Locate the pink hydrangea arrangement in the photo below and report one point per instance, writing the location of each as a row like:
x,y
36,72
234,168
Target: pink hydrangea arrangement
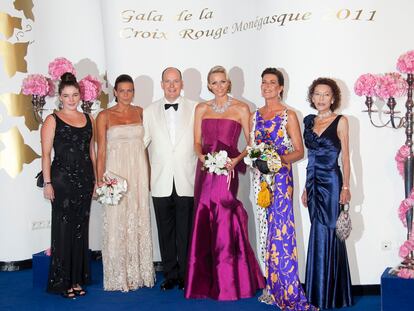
x,y
405,63
406,248
406,273
365,85
59,66
35,84
391,85
90,88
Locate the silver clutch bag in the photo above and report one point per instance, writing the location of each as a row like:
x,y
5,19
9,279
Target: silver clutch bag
x,y
343,223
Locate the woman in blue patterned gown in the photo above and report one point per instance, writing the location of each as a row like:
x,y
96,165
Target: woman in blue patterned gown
x,y
328,281
276,125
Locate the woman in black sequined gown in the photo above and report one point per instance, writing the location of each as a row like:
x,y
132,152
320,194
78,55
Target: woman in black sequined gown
x,y
69,185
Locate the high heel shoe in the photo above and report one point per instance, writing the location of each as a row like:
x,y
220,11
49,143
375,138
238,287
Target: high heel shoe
x,y
79,291
70,294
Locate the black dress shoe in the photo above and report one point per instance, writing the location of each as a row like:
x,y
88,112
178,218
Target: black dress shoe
x,y
168,284
180,284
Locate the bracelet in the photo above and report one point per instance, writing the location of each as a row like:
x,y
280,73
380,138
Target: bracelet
x,y
345,188
47,183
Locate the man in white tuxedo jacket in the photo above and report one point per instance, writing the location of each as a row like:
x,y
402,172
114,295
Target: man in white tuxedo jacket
x,y
168,125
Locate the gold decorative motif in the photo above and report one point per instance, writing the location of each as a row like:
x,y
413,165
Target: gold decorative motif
x,y
15,152
104,99
13,57
8,23
26,6
19,105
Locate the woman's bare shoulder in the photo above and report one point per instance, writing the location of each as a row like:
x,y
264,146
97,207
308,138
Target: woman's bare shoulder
x,y
240,105
202,106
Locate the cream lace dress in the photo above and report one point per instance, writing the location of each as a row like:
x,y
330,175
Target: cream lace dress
x,y
127,242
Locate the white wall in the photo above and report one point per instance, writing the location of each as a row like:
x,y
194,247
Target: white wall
x,y
320,45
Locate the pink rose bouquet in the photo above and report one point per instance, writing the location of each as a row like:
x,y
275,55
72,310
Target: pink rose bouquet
x,y
391,85
365,85
59,66
90,88
405,63
35,84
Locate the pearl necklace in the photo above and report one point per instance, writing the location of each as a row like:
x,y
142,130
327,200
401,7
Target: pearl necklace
x,y
216,108
324,115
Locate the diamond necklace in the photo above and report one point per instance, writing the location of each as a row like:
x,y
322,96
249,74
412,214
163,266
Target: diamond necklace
x,y
325,114
216,108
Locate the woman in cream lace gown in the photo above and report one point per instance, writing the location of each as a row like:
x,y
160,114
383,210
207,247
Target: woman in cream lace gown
x,y
127,242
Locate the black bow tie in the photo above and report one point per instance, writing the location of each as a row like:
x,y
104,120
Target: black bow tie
x,y
168,106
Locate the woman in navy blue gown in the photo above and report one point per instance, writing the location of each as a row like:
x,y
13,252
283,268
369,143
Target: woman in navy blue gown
x,y
328,281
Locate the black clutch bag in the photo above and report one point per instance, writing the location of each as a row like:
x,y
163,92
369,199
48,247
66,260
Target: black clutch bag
x,y
343,223
39,179
261,165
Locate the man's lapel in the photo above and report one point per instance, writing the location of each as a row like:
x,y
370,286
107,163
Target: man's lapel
x,y
184,121
162,121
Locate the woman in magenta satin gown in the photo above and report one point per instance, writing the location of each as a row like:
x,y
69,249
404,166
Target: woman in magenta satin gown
x,y
221,262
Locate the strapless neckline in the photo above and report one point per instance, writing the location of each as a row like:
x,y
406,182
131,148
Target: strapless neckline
x,y
124,125
222,119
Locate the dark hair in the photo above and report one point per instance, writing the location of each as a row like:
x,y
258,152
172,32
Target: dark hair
x,y
67,79
278,74
123,78
163,72
120,79
336,92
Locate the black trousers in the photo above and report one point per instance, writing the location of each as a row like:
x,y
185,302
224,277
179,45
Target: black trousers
x,y
174,215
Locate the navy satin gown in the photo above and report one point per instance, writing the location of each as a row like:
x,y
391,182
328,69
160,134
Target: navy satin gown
x,y
328,281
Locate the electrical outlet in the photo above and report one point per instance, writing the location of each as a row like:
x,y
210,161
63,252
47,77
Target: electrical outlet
x,y
35,225
386,245
40,224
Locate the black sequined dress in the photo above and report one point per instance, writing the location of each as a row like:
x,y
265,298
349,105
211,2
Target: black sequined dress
x,y
73,181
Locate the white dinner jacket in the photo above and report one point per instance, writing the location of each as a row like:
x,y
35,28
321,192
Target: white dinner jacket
x,y
171,161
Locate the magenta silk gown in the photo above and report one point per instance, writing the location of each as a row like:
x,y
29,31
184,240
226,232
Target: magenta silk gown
x,y
221,262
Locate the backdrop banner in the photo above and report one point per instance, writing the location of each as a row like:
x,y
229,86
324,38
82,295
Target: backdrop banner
x,y
305,39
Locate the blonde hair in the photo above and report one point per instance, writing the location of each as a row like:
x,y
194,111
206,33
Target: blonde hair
x,y
218,69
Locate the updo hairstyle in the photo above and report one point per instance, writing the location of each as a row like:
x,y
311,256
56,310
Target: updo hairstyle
x,y
218,69
67,79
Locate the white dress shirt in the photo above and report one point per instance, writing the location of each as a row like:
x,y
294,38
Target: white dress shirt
x,y
172,118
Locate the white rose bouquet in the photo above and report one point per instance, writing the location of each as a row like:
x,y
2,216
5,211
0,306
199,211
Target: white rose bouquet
x,y
111,192
216,162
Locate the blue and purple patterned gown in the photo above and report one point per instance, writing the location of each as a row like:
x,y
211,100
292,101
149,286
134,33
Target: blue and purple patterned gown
x,y
281,263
